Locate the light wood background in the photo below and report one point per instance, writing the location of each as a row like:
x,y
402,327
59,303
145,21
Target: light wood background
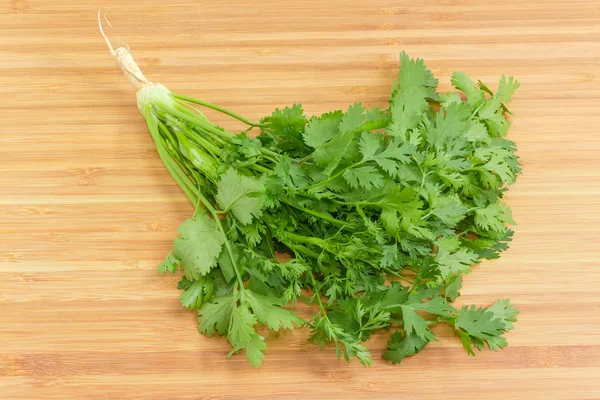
x,y
87,209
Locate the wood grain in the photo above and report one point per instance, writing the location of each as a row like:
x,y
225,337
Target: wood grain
x,y
87,210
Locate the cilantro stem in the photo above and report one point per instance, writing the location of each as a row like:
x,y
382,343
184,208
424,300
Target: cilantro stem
x,y
178,175
304,159
304,239
318,215
181,112
216,108
360,212
422,179
317,295
332,177
397,275
215,215
172,166
269,152
424,217
260,168
197,208
477,110
300,251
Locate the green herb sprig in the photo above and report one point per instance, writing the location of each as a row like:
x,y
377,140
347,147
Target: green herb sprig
x,y
382,212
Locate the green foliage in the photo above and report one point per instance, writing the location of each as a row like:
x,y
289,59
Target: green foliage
x,y
478,327
382,211
198,246
240,195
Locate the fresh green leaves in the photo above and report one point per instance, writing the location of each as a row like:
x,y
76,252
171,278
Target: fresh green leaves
x,y
365,177
381,210
409,100
196,292
320,131
215,316
352,119
402,346
478,327
287,123
395,154
463,83
457,263
169,264
235,315
268,311
449,209
333,138
493,217
240,195
413,73
198,246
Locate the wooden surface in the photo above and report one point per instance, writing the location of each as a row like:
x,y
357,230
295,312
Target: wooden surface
x,y
87,209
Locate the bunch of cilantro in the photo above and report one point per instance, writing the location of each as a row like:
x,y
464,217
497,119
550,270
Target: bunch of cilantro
x,y
380,211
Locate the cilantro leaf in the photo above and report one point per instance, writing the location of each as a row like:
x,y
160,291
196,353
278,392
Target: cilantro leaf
x,y
438,305
198,246
240,195
391,158
504,311
449,209
331,146
454,284
400,209
341,147
391,256
169,264
446,99
402,346
369,145
241,331
353,118
448,125
493,217
292,174
409,101
463,83
491,248
197,293
477,132
321,130
254,350
226,264
268,311
375,119
243,335
506,88
479,326
365,177
407,107
285,128
413,73
413,322
455,263
500,167
448,243
214,317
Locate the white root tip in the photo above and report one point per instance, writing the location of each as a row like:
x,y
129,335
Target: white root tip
x,y
124,59
110,48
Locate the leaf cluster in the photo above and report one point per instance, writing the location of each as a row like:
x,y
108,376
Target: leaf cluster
x,y
382,210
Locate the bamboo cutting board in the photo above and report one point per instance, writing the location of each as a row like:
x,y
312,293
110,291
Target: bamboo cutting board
x,y
87,209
